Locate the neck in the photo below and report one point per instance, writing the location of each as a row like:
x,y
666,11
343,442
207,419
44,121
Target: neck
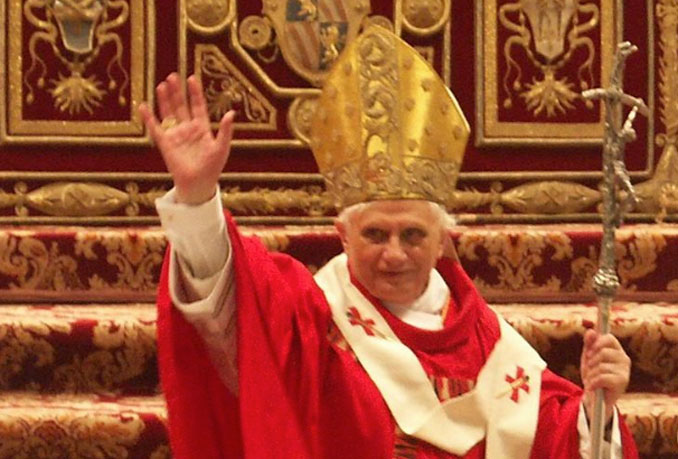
x,y
426,311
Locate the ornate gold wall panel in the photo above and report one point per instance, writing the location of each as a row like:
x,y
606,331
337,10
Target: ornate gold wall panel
x,y
129,198
311,34
530,69
537,152
79,70
226,88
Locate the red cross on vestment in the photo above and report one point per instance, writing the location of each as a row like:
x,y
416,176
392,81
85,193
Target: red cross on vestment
x,y
519,382
355,320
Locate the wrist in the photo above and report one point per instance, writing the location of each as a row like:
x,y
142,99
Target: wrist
x,y
194,197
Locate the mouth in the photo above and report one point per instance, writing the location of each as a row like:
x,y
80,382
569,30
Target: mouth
x,y
394,275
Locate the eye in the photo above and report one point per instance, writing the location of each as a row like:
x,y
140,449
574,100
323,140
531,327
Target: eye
x,y
375,235
413,236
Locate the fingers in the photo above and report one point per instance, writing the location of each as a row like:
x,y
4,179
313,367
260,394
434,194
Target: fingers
x,y
172,101
601,349
151,122
177,98
190,123
613,385
606,355
589,338
198,105
225,133
173,104
605,365
594,343
164,104
619,366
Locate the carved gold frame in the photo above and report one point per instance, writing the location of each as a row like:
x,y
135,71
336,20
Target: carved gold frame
x,y
15,130
200,50
86,198
491,131
231,22
538,136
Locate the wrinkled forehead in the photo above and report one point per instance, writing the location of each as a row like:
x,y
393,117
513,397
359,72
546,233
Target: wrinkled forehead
x,y
396,213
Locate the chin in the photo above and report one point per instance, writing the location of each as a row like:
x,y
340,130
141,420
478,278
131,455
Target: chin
x,y
399,298
393,292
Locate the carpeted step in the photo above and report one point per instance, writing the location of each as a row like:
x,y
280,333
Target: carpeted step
x,y
653,420
79,348
82,426
509,263
112,348
648,332
54,357
87,426
523,263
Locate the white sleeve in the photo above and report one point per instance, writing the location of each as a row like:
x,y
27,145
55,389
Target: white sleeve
x,y
201,281
197,233
611,450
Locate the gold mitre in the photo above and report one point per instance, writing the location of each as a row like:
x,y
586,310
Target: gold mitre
x,y
386,126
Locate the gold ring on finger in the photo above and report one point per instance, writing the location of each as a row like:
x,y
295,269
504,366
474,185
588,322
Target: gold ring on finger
x,y
168,123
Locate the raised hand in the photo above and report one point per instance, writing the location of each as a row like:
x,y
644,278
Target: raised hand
x,y
605,365
192,154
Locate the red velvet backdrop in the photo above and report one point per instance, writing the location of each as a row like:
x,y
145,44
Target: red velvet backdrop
x,y
94,157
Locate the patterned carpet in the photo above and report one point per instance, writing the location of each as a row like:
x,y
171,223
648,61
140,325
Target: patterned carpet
x,y
78,374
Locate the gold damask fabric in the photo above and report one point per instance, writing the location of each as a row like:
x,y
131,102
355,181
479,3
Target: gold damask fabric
x,y
653,420
507,263
77,264
76,427
77,349
547,263
648,333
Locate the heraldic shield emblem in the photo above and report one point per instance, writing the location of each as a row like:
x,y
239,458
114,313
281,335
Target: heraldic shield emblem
x,y
312,33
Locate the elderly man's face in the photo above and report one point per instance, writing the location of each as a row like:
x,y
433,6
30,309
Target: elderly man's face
x,y
392,247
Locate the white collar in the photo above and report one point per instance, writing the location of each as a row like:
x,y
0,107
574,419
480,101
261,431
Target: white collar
x,y
425,311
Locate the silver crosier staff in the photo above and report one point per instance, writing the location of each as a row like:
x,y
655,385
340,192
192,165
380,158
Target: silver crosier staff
x,y
616,182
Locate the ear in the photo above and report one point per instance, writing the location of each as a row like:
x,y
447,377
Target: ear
x,y
341,230
441,244
447,247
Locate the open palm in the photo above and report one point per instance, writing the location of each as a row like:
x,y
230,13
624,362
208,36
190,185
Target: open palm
x,y
193,155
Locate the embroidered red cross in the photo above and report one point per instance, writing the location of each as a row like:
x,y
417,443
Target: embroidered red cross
x,y
355,319
519,382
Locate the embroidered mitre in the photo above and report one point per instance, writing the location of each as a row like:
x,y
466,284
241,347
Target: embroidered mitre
x,y
386,126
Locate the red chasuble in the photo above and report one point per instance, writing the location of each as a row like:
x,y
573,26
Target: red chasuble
x,y
303,394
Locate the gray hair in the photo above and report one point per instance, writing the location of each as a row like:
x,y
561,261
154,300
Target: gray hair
x,y
446,220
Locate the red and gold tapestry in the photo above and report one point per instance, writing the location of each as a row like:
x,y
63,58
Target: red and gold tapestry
x,y
74,149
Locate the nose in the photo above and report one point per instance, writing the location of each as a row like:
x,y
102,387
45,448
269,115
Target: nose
x,y
394,251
